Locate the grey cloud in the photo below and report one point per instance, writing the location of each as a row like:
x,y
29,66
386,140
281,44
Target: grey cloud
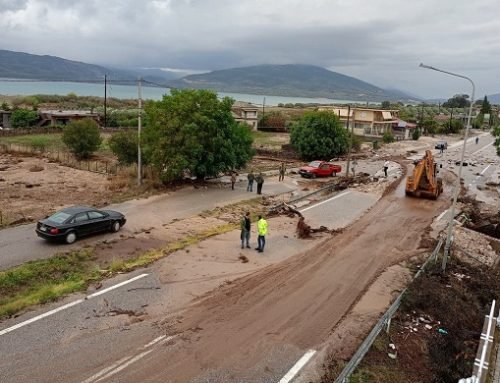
x,y
12,5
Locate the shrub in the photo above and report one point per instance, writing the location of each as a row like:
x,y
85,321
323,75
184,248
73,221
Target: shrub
x,y
82,137
124,146
375,145
388,137
23,118
416,134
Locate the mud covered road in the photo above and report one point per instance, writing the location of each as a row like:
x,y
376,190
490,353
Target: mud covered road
x,y
256,328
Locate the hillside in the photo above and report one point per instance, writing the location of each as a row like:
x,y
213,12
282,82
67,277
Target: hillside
x,y
19,65
288,80
494,98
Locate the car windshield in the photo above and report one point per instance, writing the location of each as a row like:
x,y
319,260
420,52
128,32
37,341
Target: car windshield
x,y
314,164
59,217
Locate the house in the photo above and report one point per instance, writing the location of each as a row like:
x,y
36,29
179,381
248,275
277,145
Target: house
x,y
63,117
367,122
5,119
245,112
403,130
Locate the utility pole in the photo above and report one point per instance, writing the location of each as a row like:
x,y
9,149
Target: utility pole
x,y
105,98
451,117
350,139
263,106
139,126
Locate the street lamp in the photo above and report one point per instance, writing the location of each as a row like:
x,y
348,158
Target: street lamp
x,y
457,186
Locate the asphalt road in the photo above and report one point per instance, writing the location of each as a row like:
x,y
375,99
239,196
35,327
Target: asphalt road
x,y
20,244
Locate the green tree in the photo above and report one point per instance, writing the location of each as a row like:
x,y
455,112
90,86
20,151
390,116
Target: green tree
x,y
23,118
82,137
457,101
274,120
416,134
453,126
193,131
388,137
386,105
319,135
5,106
485,106
430,126
124,146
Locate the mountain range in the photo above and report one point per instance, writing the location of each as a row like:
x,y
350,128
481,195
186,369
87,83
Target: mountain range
x,y
294,80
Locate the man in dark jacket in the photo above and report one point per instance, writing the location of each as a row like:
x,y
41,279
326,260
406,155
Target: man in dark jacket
x,y
250,178
245,226
260,181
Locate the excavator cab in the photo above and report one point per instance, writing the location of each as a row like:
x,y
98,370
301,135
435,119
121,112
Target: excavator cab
x,y
424,182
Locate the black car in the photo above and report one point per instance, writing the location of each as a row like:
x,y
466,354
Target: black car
x,y
441,144
78,221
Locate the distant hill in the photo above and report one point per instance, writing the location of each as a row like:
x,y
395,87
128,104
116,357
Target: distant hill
x,y
494,98
19,65
288,80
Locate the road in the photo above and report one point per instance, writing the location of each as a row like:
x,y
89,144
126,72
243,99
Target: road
x,y
20,244
253,329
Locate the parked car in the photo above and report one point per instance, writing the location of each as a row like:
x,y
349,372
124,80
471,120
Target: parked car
x,y
320,169
440,144
78,221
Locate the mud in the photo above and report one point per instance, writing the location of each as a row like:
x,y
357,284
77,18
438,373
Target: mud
x,y
294,304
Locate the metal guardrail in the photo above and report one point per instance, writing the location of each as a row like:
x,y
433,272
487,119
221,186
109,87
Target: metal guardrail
x,y
385,320
481,365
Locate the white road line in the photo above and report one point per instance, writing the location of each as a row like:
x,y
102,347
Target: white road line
x,y
116,286
68,305
486,168
325,201
441,215
485,146
298,366
127,361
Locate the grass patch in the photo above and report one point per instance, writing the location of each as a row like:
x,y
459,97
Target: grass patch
x,y
270,140
46,280
36,141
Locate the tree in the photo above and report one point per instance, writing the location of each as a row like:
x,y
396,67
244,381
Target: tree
x,y
388,137
416,134
124,146
430,125
23,118
457,101
275,120
82,137
485,106
453,126
319,135
192,131
5,106
386,105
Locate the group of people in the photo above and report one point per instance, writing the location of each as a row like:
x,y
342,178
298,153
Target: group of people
x,y
246,225
259,180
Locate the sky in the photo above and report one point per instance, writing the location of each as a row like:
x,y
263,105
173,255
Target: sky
x,y
378,41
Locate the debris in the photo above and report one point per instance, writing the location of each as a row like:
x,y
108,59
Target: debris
x,y
443,331
428,326
243,259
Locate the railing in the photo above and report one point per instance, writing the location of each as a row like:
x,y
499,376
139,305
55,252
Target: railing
x,y
481,364
384,321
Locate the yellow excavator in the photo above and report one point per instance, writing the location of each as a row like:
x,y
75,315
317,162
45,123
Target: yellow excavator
x,y
424,182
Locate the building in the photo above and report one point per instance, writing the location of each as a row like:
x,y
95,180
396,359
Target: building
x,y
403,130
63,117
246,112
5,119
366,122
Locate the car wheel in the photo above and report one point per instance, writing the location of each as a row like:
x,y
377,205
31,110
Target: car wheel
x,y
115,226
313,175
70,237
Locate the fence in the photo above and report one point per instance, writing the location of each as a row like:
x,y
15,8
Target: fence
x,y
63,157
481,364
384,321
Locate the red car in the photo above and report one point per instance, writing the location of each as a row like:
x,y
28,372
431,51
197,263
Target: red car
x,y
319,169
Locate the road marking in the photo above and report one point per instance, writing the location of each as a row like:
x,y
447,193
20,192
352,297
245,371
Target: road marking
x,y
325,201
298,366
68,305
484,170
441,215
485,146
128,360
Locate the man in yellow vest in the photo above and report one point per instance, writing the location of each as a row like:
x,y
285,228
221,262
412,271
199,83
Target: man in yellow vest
x,y
262,229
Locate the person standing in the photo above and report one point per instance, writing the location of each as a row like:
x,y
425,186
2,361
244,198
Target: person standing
x,y
262,230
250,178
233,180
245,226
260,181
386,167
477,140
282,172
354,163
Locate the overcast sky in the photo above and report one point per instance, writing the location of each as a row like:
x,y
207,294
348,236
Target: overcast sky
x,y
378,41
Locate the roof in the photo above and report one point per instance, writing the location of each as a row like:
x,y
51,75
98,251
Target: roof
x,y
68,113
244,105
76,209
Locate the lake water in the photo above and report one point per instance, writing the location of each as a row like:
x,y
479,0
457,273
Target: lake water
x,y
26,88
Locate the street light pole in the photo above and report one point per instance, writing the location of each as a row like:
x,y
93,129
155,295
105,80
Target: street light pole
x,y
457,186
139,126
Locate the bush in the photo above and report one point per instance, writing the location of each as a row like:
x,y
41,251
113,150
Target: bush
x,y
124,146
416,134
376,146
388,137
356,142
319,135
23,118
82,137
